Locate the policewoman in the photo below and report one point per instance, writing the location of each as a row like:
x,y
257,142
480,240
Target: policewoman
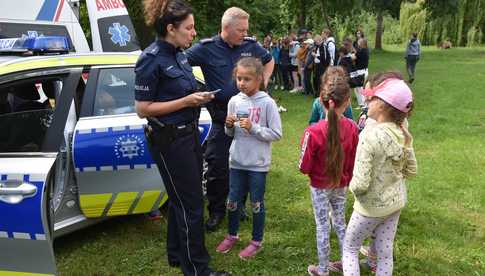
x,y
165,94
217,56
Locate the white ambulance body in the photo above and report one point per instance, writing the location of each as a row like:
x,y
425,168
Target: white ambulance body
x,y
111,27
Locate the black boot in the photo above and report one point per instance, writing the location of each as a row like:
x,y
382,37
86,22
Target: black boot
x,y
213,222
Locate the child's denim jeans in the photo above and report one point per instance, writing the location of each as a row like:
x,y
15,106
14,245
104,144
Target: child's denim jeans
x,y
240,183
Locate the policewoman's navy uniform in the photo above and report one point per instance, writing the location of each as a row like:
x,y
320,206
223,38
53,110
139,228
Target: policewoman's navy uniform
x,y
217,60
163,74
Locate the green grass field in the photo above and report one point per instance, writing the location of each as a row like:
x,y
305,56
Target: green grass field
x,y
441,230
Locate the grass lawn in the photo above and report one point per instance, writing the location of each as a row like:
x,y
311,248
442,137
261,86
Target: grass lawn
x,y
441,230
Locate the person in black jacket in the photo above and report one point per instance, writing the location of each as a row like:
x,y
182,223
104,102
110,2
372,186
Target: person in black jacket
x,y
166,93
319,67
285,63
308,64
358,35
361,60
345,59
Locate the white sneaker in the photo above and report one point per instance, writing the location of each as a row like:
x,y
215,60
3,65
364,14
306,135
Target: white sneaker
x,y
282,109
293,91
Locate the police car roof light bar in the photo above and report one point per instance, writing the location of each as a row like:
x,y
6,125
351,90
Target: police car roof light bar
x,y
37,45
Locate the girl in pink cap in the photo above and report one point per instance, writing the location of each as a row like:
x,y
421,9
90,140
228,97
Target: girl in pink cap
x,y
384,159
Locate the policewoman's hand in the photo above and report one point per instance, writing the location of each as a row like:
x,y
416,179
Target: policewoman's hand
x,y
230,120
198,98
245,123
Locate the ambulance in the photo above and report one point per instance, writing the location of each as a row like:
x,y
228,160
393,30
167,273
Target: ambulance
x,y
111,26
72,149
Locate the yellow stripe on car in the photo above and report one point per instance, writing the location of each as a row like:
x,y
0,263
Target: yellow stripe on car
x,y
93,205
30,63
14,273
164,199
63,61
146,202
197,71
122,203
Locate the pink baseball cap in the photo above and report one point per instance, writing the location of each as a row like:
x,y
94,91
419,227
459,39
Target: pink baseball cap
x,y
394,92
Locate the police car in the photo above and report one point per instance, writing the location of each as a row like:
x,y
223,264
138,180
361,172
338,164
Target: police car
x,y
72,149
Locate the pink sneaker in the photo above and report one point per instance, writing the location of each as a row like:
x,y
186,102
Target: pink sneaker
x,y
313,270
250,250
227,244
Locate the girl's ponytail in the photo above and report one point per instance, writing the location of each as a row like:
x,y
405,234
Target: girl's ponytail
x,y
161,13
153,10
335,92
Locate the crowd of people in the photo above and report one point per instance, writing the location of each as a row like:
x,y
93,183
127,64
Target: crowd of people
x,y
373,158
302,58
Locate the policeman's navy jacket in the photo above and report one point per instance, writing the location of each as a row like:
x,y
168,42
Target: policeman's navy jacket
x,y
163,74
217,60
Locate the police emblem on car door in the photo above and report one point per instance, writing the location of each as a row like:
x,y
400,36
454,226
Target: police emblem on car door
x,y
114,169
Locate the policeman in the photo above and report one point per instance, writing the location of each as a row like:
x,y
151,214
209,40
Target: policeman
x,y
217,57
165,94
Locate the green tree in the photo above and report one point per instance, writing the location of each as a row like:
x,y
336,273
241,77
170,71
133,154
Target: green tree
x,y
381,7
462,22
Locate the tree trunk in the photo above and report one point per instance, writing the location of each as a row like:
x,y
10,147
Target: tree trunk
x,y
379,30
302,14
325,15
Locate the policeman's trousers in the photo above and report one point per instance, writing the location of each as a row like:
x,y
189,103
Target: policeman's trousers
x,y
217,158
180,166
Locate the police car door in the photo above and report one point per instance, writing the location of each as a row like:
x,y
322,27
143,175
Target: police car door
x,y
31,132
114,169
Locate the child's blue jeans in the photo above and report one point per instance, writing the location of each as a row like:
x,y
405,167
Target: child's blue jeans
x,y
240,183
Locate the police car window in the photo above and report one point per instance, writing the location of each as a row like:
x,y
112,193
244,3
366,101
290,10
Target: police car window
x,y
26,112
114,92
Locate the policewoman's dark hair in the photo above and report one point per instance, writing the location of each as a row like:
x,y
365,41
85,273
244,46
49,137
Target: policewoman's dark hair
x,y
161,13
335,90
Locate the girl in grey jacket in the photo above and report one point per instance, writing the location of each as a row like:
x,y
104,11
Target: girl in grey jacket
x,y
254,122
413,53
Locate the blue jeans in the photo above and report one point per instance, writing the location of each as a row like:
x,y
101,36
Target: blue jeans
x,y
240,183
411,65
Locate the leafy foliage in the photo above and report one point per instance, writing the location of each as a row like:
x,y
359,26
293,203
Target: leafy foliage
x,y
460,21
438,8
437,23
382,6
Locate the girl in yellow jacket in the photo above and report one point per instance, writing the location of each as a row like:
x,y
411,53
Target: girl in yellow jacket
x,y
384,159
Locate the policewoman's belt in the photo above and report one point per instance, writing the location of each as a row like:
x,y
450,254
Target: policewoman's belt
x,y
160,135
